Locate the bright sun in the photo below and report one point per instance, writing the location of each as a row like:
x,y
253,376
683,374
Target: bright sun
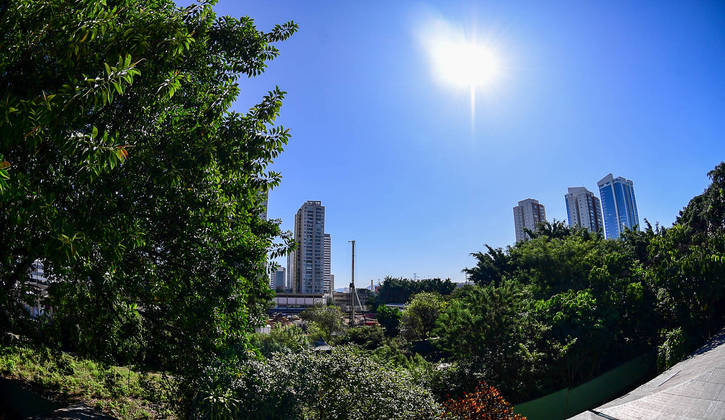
x,y
460,59
464,64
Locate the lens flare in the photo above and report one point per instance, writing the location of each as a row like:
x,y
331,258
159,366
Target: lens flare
x,y
464,64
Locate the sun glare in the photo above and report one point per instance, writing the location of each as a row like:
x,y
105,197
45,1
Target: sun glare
x,y
460,59
464,64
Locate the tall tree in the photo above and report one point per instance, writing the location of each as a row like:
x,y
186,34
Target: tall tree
x,y
706,212
128,175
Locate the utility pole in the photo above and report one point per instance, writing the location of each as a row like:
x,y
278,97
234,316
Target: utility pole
x,y
352,287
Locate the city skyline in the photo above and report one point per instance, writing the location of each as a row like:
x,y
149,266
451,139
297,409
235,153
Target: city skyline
x,y
406,171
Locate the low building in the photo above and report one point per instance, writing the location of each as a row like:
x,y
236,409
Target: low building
x,y
342,299
297,302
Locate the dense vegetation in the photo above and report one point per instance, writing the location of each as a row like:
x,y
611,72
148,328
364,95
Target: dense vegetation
x,y
119,391
125,171
566,305
400,290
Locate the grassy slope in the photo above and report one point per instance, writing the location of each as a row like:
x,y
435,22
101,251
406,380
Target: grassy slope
x,y
117,391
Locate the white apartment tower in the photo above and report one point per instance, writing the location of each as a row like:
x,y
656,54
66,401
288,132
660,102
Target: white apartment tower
x,y
583,209
527,215
306,268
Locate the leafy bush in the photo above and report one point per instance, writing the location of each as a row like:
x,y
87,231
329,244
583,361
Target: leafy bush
x,y
344,384
389,318
672,350
327,318
281,338
368,337
419,317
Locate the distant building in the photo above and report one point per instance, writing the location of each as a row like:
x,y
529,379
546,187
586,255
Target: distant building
x,y
342,299
296,302
306,264
279,279
527,215
619,206
583,209
329,285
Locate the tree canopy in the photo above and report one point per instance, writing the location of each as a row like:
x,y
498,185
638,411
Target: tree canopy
x,y
400,290
566,305
127,173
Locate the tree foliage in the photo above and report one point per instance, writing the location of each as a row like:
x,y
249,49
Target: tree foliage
x,y
285,339
327,318
566,305
705,213
400,290
368,337
389,319
126,172
420,315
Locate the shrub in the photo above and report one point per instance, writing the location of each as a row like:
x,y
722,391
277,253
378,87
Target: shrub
x,y
389,318
420,316
484,403
285,339
672,350
368,337
328,318
344,384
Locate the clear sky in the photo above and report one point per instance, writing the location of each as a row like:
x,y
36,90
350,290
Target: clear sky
x,y
404,168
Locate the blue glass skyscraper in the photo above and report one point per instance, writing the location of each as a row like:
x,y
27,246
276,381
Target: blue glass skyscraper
x,y
619,206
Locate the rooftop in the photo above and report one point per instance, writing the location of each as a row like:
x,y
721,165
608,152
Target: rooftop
x,y
691,389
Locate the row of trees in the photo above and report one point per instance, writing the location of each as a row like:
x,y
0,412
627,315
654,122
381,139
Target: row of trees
x,y
400,290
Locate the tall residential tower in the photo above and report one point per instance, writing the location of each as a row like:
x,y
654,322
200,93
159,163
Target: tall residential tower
x,y
528,214
583,209
618,205
306,268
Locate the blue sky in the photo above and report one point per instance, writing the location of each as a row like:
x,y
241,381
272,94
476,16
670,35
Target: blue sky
x,y
585,88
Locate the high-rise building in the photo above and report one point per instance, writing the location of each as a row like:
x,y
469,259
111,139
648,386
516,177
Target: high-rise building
x,y
291,270
583,209
306,264
279,279
619,206
328,264
527,215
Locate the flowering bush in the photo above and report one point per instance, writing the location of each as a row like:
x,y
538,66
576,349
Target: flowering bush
x,y
484,403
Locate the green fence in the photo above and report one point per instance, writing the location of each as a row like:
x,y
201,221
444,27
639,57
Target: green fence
x,y
572,401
